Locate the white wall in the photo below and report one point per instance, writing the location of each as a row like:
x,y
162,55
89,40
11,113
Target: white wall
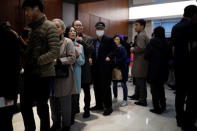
x,y
68,13
131,30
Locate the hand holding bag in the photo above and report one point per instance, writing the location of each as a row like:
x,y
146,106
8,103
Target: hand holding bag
x,y
62,70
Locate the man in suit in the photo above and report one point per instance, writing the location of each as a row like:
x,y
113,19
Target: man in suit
x,y
102,70
140,65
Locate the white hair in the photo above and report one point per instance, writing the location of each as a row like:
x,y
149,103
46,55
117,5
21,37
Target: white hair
x,y
61,23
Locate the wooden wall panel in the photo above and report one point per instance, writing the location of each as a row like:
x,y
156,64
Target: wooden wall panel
x,y
53,9
10,10
114,13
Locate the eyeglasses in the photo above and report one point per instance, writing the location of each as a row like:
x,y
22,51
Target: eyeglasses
x,y
77,25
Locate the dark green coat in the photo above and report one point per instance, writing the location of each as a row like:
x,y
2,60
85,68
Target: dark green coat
x,y
42,49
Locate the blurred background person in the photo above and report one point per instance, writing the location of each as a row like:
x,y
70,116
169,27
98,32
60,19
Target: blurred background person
x,y
120,57
39,65
158,54
181,37
140,65
10,75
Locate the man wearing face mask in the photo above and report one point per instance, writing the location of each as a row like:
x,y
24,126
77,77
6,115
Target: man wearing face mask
x,y
102,70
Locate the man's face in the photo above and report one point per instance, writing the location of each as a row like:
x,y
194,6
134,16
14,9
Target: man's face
x,y
30,13
100,31
78,26
138,27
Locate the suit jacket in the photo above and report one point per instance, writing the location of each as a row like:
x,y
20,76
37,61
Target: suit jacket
x,y
87,43
100,67
140,65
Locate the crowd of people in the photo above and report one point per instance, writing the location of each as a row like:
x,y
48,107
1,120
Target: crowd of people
x,y
57,61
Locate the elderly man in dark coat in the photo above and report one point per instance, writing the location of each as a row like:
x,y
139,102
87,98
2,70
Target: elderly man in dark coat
x,y
86,79
102,69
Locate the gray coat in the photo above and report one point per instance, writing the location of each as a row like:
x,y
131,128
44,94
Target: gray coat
x,y
140,65
66,86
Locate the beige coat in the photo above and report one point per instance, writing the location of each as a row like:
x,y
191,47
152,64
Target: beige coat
x,y
66,86
140,65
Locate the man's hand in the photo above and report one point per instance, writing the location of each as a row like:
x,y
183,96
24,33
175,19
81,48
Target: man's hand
x,y
15,33
79,38
132,49
90,61
55,62
107,59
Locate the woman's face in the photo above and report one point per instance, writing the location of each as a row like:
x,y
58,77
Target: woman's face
x,y
72,34
117,40
59,27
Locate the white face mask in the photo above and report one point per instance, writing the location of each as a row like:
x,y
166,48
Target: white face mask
x,y
99,33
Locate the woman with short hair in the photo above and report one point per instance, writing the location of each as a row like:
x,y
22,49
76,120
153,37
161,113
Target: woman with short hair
x,y
63,86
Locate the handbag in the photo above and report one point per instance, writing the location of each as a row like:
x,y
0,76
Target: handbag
x,y
62,70
116,74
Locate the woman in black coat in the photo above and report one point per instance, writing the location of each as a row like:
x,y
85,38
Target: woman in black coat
x,y
120,57
158,54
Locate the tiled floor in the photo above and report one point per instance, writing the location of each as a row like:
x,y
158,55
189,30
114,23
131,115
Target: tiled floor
x,y
129,118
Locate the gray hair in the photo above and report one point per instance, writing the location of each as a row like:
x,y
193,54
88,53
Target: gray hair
x,y
61,23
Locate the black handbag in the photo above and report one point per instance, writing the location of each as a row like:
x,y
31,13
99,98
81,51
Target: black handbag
x,y
62,71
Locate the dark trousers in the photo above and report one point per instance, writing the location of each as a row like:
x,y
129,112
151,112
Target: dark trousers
x,y
102,89
106,93
6,115
124,87
102,73
61,111
87,97
141,89
158,95
74,106
191,108
98,94
36,92
181,94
